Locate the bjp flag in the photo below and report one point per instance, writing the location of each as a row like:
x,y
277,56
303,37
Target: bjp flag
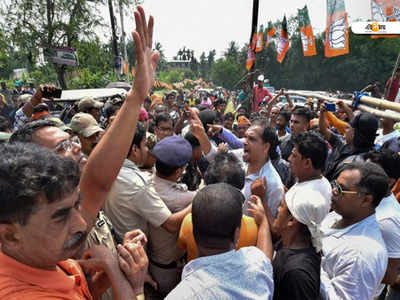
x,y
254,41
337,29
125,69
260,39
385,11
306,33
283,45
270,36
251,57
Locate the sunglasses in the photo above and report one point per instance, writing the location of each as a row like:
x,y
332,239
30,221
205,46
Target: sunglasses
x,y
339,190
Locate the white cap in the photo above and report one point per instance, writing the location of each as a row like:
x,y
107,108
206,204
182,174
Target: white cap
x,y
309,207
260,78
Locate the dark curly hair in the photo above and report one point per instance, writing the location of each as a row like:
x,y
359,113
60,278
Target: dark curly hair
x,y
28,173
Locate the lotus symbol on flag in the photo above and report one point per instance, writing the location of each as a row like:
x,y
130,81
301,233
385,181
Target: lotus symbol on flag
x,y
282,43
337,34
306,41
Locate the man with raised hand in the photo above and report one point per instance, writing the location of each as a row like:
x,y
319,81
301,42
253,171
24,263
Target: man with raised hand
x,y
95,183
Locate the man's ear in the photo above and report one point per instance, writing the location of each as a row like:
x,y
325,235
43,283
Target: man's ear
x,y
267,147
308,163
368,201
236,236
9,236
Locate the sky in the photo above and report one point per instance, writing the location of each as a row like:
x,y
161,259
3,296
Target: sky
x,y
203,25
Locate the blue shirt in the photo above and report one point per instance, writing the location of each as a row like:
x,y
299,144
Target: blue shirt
x,y
275,191
242,274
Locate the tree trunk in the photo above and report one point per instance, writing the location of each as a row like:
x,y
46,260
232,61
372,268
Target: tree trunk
x,y
61,76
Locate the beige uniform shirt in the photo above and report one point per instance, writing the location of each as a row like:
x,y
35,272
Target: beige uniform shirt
x,y
163,247
133,203
101,235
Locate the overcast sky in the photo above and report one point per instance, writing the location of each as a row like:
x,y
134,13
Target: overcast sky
x,y
203,25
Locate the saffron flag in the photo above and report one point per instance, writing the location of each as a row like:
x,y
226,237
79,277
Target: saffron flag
x,y
306,33
260,39
254,41
125,69
283,45
337,29
251,57
385,11
270,36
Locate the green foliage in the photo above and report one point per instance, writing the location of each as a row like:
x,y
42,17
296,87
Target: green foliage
x,y
87,79
171,76
226,72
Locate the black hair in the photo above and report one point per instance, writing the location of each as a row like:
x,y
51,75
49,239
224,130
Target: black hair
x,y
311,145
164,169
5,124
387,159
194,142
26,133
110,110
285,114
225,167
373,179
163,117
229,115
140,134
160,107
28,174
216,214
303,112
268,136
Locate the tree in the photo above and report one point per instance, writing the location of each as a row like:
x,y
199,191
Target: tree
x,y
32,25
226,72
232,51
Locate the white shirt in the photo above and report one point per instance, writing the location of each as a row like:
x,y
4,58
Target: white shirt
x,y
388,217
275,189
242,274
354,259
381,139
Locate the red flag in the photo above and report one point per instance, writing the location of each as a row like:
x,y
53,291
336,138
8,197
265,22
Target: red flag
x,y
133,72
270,36
284,42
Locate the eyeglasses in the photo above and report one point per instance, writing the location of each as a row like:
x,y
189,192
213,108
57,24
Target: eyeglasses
x,y
338,190
165,129
67,145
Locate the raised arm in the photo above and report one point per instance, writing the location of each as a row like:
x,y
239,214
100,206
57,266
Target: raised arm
x,y
322,124
106,160
264,242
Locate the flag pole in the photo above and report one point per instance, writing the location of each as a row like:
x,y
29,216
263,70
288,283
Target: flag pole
x,y
254,23
251,72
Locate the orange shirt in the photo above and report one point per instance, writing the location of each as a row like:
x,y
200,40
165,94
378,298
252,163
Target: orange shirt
x,y
186,241
22,282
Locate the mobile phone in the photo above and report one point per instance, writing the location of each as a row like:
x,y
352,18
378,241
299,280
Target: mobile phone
x,y
55,93
330,107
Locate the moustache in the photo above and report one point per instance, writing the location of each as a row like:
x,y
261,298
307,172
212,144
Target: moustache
x,y
75,241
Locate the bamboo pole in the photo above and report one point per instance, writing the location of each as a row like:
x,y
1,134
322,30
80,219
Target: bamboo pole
x,y
391,111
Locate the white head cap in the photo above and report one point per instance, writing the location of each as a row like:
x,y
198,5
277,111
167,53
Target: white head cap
x,y
260,78
309,207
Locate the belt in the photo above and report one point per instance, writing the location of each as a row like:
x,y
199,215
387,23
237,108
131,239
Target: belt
x,y
172,265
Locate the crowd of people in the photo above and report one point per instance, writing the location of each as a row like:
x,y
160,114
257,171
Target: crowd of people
x,y
196,195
